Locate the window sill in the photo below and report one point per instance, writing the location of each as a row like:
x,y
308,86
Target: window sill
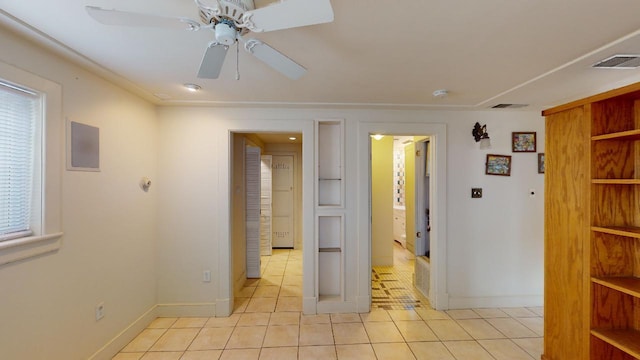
x,y
28,247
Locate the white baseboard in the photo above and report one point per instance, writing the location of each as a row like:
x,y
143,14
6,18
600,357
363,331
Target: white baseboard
x,y
309,305
186,310
121,340
224,307
363,304
161,310
331,307
495,302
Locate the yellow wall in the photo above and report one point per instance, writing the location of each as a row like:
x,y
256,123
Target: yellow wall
x,y
382,201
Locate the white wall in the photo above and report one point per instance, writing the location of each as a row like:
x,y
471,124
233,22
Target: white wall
x,y
494,244
107,254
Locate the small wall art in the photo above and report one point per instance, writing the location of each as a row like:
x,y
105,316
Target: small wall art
x,y
523,142
498,165
541,163
83,147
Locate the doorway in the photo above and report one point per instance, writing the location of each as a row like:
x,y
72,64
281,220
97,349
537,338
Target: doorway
x,y
282,153
400,230
438,296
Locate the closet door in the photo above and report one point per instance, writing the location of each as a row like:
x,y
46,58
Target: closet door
x,y
265,205
282,175
252,219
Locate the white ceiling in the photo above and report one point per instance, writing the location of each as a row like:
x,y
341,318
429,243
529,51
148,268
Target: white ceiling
x,y
376,53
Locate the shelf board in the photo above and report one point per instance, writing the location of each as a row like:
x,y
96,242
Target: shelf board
x,y
329,249
616,181
625,284
629,231
625,340
623,135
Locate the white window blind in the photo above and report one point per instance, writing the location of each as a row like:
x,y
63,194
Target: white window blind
x,y
19,110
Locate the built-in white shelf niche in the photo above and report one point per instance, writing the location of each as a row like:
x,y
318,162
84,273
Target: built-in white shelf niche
x,y
330,256
330,154
330,214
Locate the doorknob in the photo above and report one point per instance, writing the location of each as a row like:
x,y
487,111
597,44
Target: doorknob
x,y
418,234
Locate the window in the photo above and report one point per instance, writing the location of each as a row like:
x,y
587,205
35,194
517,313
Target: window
x,y
20,112
30,165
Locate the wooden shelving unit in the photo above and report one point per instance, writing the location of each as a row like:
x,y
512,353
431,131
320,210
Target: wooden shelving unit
x,y
623,340
615,244
592,234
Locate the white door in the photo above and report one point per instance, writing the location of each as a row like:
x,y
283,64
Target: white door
x,y
282,206
266,187
252,210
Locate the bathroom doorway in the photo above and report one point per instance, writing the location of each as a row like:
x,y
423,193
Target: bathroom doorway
x,y
437,132
400,221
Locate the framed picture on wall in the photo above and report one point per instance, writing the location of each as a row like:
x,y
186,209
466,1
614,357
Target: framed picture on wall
x,y
498,165
523,141
541,163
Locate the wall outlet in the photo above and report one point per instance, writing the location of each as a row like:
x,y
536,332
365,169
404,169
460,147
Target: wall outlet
x,y
476,193
99,311
206,276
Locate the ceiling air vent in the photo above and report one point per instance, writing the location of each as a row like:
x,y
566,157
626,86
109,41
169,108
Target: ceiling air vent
x,y
509,106
619,62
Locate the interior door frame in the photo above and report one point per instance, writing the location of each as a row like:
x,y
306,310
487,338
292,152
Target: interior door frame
x,y
437,133
224,271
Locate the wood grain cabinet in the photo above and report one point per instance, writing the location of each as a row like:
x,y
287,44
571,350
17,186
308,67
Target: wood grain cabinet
x,y
592,228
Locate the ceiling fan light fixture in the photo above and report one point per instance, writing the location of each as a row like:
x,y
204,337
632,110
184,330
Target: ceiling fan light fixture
x,y
192,87
225,33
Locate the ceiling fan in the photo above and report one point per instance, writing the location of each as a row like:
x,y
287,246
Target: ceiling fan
x,y
230,20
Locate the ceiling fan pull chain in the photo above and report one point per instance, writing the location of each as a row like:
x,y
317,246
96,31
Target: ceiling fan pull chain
x,y
237,60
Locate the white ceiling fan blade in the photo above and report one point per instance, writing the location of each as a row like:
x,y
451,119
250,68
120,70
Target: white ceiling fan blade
x,y
289,14
275,59
125,18
212,61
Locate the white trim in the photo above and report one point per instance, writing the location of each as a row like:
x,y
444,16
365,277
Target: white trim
x,y
224,303
438,133
309,305
113,346
495,301
26,247
15,235
187,310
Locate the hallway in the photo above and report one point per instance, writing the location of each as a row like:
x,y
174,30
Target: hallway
x,y
268,324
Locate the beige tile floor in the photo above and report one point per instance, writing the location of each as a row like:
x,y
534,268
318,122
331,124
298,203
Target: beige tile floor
x,y
267,323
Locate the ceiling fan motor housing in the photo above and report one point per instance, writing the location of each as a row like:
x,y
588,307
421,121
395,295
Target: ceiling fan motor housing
x,y
225,33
